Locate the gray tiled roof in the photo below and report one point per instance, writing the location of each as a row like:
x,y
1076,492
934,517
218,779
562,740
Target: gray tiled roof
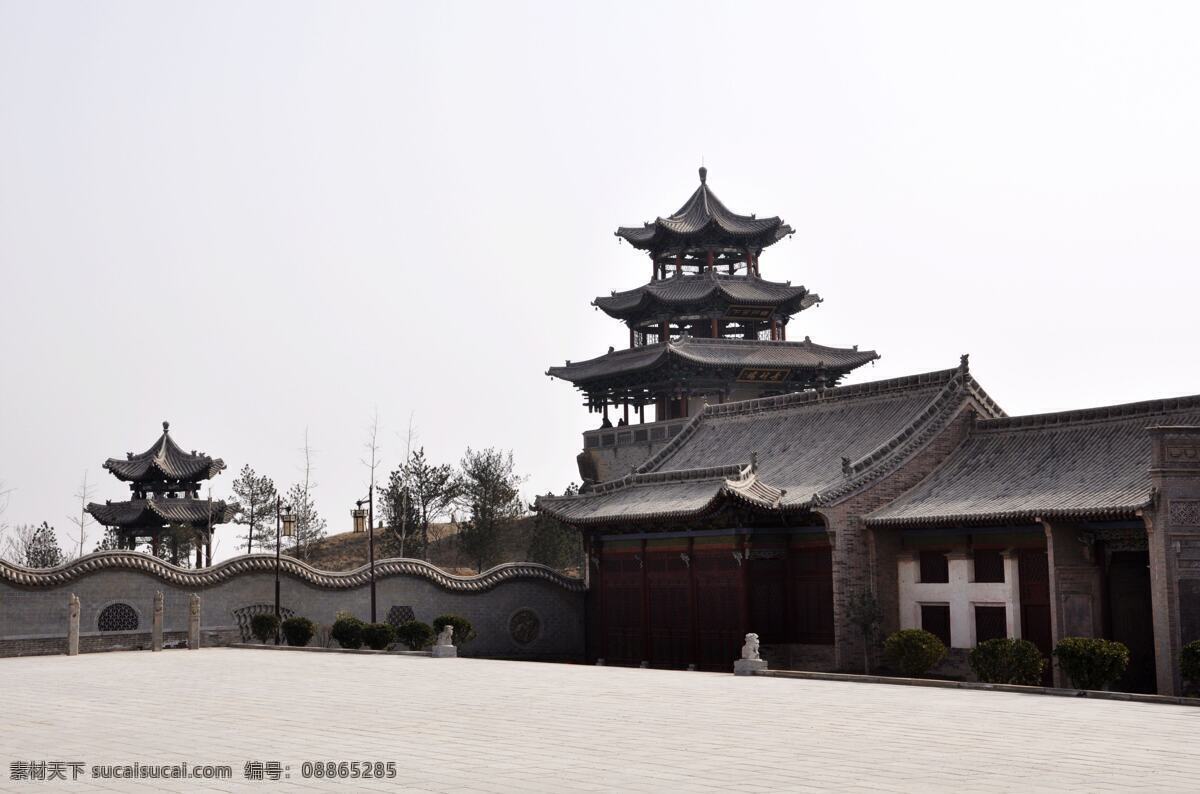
x,y
165,460
727,353
684,290
781,453
701,215
182,511
1092,463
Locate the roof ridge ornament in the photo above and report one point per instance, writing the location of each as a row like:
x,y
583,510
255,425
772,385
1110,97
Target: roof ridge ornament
x,y
703,175
964,363
166,426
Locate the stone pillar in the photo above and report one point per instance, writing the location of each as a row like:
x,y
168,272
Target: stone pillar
x,y
962,616
1012,601
1075,585
73,625
156,630
194,622
1173,539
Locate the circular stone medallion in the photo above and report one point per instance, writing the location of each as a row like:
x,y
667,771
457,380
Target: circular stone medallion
x,y
525,626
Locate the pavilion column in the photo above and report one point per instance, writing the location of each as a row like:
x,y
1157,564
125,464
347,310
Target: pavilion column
x,y
154,545
631,337
716,330
749,262
208,551
199,550
666,332
679,264
625,406
710,259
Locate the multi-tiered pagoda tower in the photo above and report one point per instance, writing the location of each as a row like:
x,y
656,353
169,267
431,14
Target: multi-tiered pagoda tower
x,y
707,328
166,504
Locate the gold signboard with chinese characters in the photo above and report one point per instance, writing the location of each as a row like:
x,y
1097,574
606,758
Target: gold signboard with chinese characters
x,y
748,312
763,375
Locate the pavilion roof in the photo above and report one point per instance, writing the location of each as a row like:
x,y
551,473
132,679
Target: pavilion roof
x,y
161,511
1091,463
718,353
781,453
165,460
703,218
684,290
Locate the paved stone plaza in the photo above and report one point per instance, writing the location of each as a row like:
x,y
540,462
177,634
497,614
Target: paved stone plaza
x,y
479,725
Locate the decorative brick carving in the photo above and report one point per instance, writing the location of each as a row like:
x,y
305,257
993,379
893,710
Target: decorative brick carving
x,y
525,626
1184,513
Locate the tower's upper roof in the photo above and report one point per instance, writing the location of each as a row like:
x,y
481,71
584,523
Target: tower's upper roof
x,y
703,219
165,460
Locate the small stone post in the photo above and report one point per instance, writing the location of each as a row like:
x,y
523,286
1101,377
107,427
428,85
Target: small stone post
x,y
73,626
751,662
444,649
156,640
194,623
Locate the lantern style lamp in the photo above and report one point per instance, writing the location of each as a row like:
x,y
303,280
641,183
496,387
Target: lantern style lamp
x,y
289,523
360,518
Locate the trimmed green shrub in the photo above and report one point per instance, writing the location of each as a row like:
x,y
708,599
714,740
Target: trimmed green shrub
x,y
298,631
264,627
378,636
348,631
1189,663
913,651
415,635
1090,662
464,632
1007,661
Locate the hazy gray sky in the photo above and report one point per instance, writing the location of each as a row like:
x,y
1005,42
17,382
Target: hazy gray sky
x,y
253,218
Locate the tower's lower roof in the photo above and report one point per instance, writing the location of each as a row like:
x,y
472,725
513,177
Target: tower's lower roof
x,y
154,513
730,354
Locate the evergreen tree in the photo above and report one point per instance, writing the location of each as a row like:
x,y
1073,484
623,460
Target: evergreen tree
x,y
310,527
399,510
43,550
433,490
490,495
256,495
554,543
110,542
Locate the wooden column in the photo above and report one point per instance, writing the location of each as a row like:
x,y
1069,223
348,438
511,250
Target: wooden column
x,y
602,645
694,621
749,262
710,259
744,585
666,332
626,407
645,608
631,337
715,329
641,413
154,545
679,264
208,551
774,330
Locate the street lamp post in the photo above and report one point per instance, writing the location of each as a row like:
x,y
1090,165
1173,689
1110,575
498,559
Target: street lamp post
x,y
285,524
358,514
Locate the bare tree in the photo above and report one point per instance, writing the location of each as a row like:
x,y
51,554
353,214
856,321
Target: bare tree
x,y
371,445
84,494
310,527
17,542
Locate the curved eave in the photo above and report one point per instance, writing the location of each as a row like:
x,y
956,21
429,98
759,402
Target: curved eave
x,y
636,302
833,360
1009,517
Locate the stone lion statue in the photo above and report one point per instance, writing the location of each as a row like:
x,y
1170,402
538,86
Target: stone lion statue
x,y
750,649
447,635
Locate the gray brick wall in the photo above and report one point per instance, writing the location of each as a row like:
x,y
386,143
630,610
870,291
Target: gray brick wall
x,y
35,619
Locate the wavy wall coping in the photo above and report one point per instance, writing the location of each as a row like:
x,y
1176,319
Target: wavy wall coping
x,y
265,563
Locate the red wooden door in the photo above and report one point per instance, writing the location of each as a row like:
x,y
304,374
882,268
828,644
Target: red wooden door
x,y
669,591
622,603
812,571
1033,574
718,609
768,594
